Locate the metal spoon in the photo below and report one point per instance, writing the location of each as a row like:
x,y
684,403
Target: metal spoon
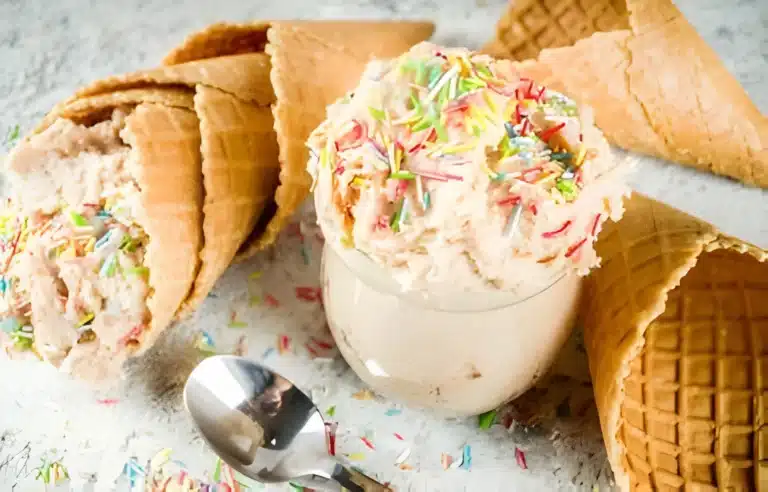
x,y
264,427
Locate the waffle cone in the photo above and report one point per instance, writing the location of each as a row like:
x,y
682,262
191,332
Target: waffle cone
x,y
529,26
659,89
162,129
676,331
239,154
238,179
313,64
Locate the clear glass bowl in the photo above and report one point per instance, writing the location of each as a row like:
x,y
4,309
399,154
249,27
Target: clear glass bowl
x,y
460,354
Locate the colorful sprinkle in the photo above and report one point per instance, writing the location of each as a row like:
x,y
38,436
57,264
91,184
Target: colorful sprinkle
x,y
393,412
575,248
271,300
283,344
520,458
355,456
108,401
558,231
331,411
309,294
364,394
466,461
399,437
368,443
486,420
446,460
255,275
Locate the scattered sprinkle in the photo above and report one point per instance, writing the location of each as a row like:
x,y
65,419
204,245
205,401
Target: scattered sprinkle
x,y
255,275
52,473
271,300
558,231
309,294
466,460
399,437
364,394
368,443
330,429
254,300
393,412
283,344
520,458
331,411
355,456
446,460
486,420
13,135
573,249
235,323
108,401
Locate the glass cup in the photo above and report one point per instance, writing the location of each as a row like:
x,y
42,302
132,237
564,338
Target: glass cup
x,y
459,354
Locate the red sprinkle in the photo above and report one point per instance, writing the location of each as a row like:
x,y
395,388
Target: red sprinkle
x,y
329,429
353,138
534,209
510,200
321,344
108,401
558,231
520,458
518,114
595,224
284,343
309,294
573,249
547,134
368,443
529,91
311,350
399,436
540,94
525,128
339,169
271,300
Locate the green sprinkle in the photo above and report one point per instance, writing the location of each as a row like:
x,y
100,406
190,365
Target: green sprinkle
x,y
403,175
128,244
22,340
238,324
444,95
483,70
109,266
434,76
426,200
394,221
331,411
217,471
13,135
422,125
415,103
442,133
139,270
77,219
567,187
486,420
421,73
378,114
473,83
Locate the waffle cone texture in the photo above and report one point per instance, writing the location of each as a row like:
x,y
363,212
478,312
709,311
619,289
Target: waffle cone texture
x,y
312,63
676,331
656,86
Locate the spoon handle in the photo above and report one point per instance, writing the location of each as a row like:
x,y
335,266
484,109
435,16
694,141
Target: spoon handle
x,y
354,481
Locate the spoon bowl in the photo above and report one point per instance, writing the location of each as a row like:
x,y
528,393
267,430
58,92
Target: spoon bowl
x,y
263,426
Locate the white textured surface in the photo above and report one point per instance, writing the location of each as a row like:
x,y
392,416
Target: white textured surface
x,y
49,48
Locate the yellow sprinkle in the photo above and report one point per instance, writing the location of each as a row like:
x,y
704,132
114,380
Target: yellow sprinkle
x,y
323,157
359,181
160,459
347,241
582,154
356,456
364,394
85,319
457,149
255,300
489,101
255,275
89,246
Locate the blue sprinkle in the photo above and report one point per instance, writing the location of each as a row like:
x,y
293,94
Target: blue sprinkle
x,y
392,412
510,129
10,325
103,214
268,352
103,239
207,339
133,470
3,285
466,461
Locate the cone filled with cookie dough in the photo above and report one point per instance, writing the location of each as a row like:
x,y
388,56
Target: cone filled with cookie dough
x,y
312,64
656,86
676,331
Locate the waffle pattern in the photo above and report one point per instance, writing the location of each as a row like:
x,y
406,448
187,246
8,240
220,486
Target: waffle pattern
x,y
695,403
529,26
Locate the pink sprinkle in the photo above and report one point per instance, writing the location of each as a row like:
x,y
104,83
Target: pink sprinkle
x,y
368,443
520,458
182,476
558,231
354,137
576,247
283,343
321,344
309,294
108,401
595,224
271,300
399,436
339,170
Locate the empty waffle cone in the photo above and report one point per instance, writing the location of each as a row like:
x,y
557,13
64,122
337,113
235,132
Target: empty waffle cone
x,y
529,26
676,331
659,89
313,64
165,132
239,150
